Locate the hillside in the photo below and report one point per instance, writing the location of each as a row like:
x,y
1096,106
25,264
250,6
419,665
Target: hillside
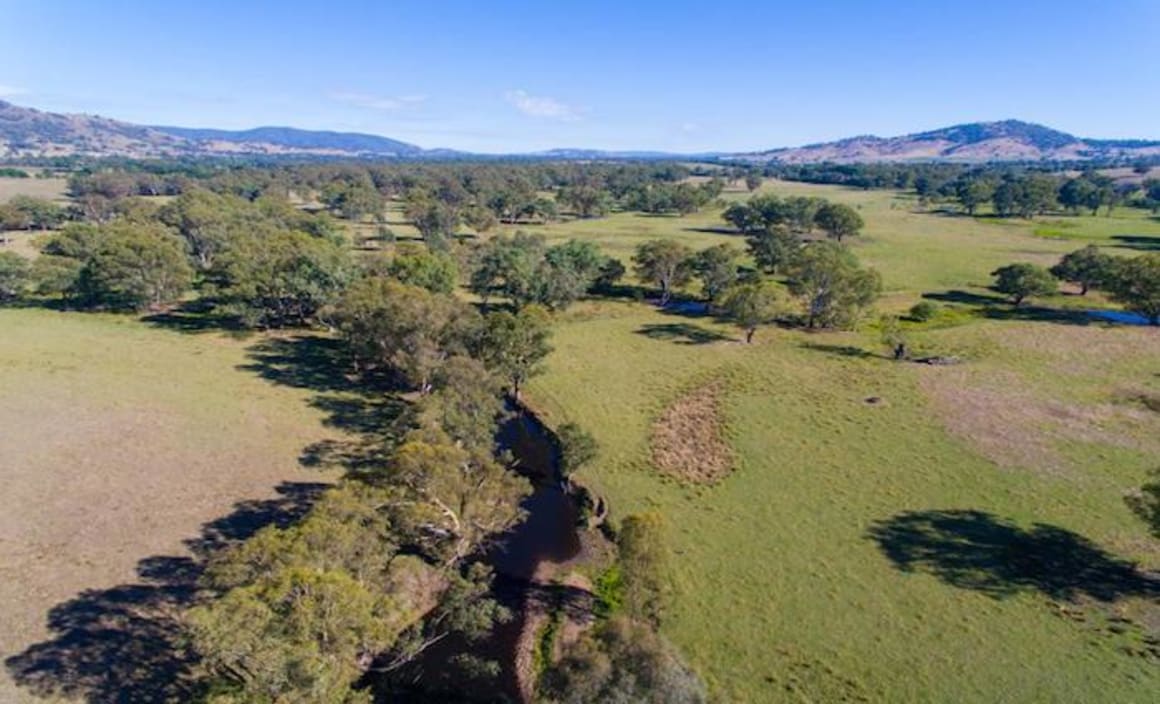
x,y
26,132
29,132
1008,140
293,140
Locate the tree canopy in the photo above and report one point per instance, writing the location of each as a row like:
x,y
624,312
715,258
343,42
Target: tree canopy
x,y
751,305
1022,280
1135,283
1088,268
664,263
832,285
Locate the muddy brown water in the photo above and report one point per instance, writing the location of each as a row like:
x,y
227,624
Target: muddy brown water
x,y
548,533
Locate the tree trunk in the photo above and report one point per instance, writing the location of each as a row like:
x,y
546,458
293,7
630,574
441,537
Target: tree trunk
x,y
749,335
1083,289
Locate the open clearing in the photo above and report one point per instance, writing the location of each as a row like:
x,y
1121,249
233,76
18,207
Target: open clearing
x,y
24,243
49,188
962,539
123,447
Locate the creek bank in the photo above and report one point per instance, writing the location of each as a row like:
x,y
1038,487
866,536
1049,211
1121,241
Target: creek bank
x,y
532,561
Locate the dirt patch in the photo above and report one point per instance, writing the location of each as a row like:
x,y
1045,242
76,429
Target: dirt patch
x,y
688,440
1007,422
1079,350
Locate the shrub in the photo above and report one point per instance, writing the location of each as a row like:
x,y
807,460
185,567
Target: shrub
x,y
923,311
14,275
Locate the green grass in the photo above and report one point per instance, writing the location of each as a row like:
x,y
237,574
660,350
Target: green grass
x,y
782,592
916,251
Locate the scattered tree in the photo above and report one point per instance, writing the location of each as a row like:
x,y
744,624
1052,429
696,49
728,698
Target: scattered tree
x,y
717,269
1087,268
775,249
515,345
1135,283
751,305
663,263
839,220
832,285
1021,281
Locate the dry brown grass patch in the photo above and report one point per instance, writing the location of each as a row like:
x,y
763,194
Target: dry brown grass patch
x,y
688,440
1007,422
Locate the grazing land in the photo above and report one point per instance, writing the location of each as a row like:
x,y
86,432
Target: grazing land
x,y
21,242
916,251
49,188
845,527
894,531
124,447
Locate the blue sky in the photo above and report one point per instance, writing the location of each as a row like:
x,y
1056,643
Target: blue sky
x,y
515,76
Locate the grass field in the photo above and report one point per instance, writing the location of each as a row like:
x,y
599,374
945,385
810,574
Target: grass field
x,y
24,243
889,532
962,538
49,188
914,250
123,448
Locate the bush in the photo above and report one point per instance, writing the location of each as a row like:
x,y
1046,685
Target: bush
x,y
14,275
923,311
623,661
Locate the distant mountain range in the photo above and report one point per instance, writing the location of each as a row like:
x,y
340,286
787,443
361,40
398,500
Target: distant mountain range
x,y
294,140
1008,140
25,132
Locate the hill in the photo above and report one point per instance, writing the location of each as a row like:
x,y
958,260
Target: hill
x,y
294,140
1007,140
26,132
29,132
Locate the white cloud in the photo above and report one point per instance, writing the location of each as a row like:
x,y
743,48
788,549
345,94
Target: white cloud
x,y
690,127
539,106
6,91
377,102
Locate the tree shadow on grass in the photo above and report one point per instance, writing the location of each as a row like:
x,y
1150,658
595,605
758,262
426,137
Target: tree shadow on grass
x,y
996,307
841,350
723,230
374,425
982,552
681,333
1140,242
366,408
197,317
304,361
126,643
